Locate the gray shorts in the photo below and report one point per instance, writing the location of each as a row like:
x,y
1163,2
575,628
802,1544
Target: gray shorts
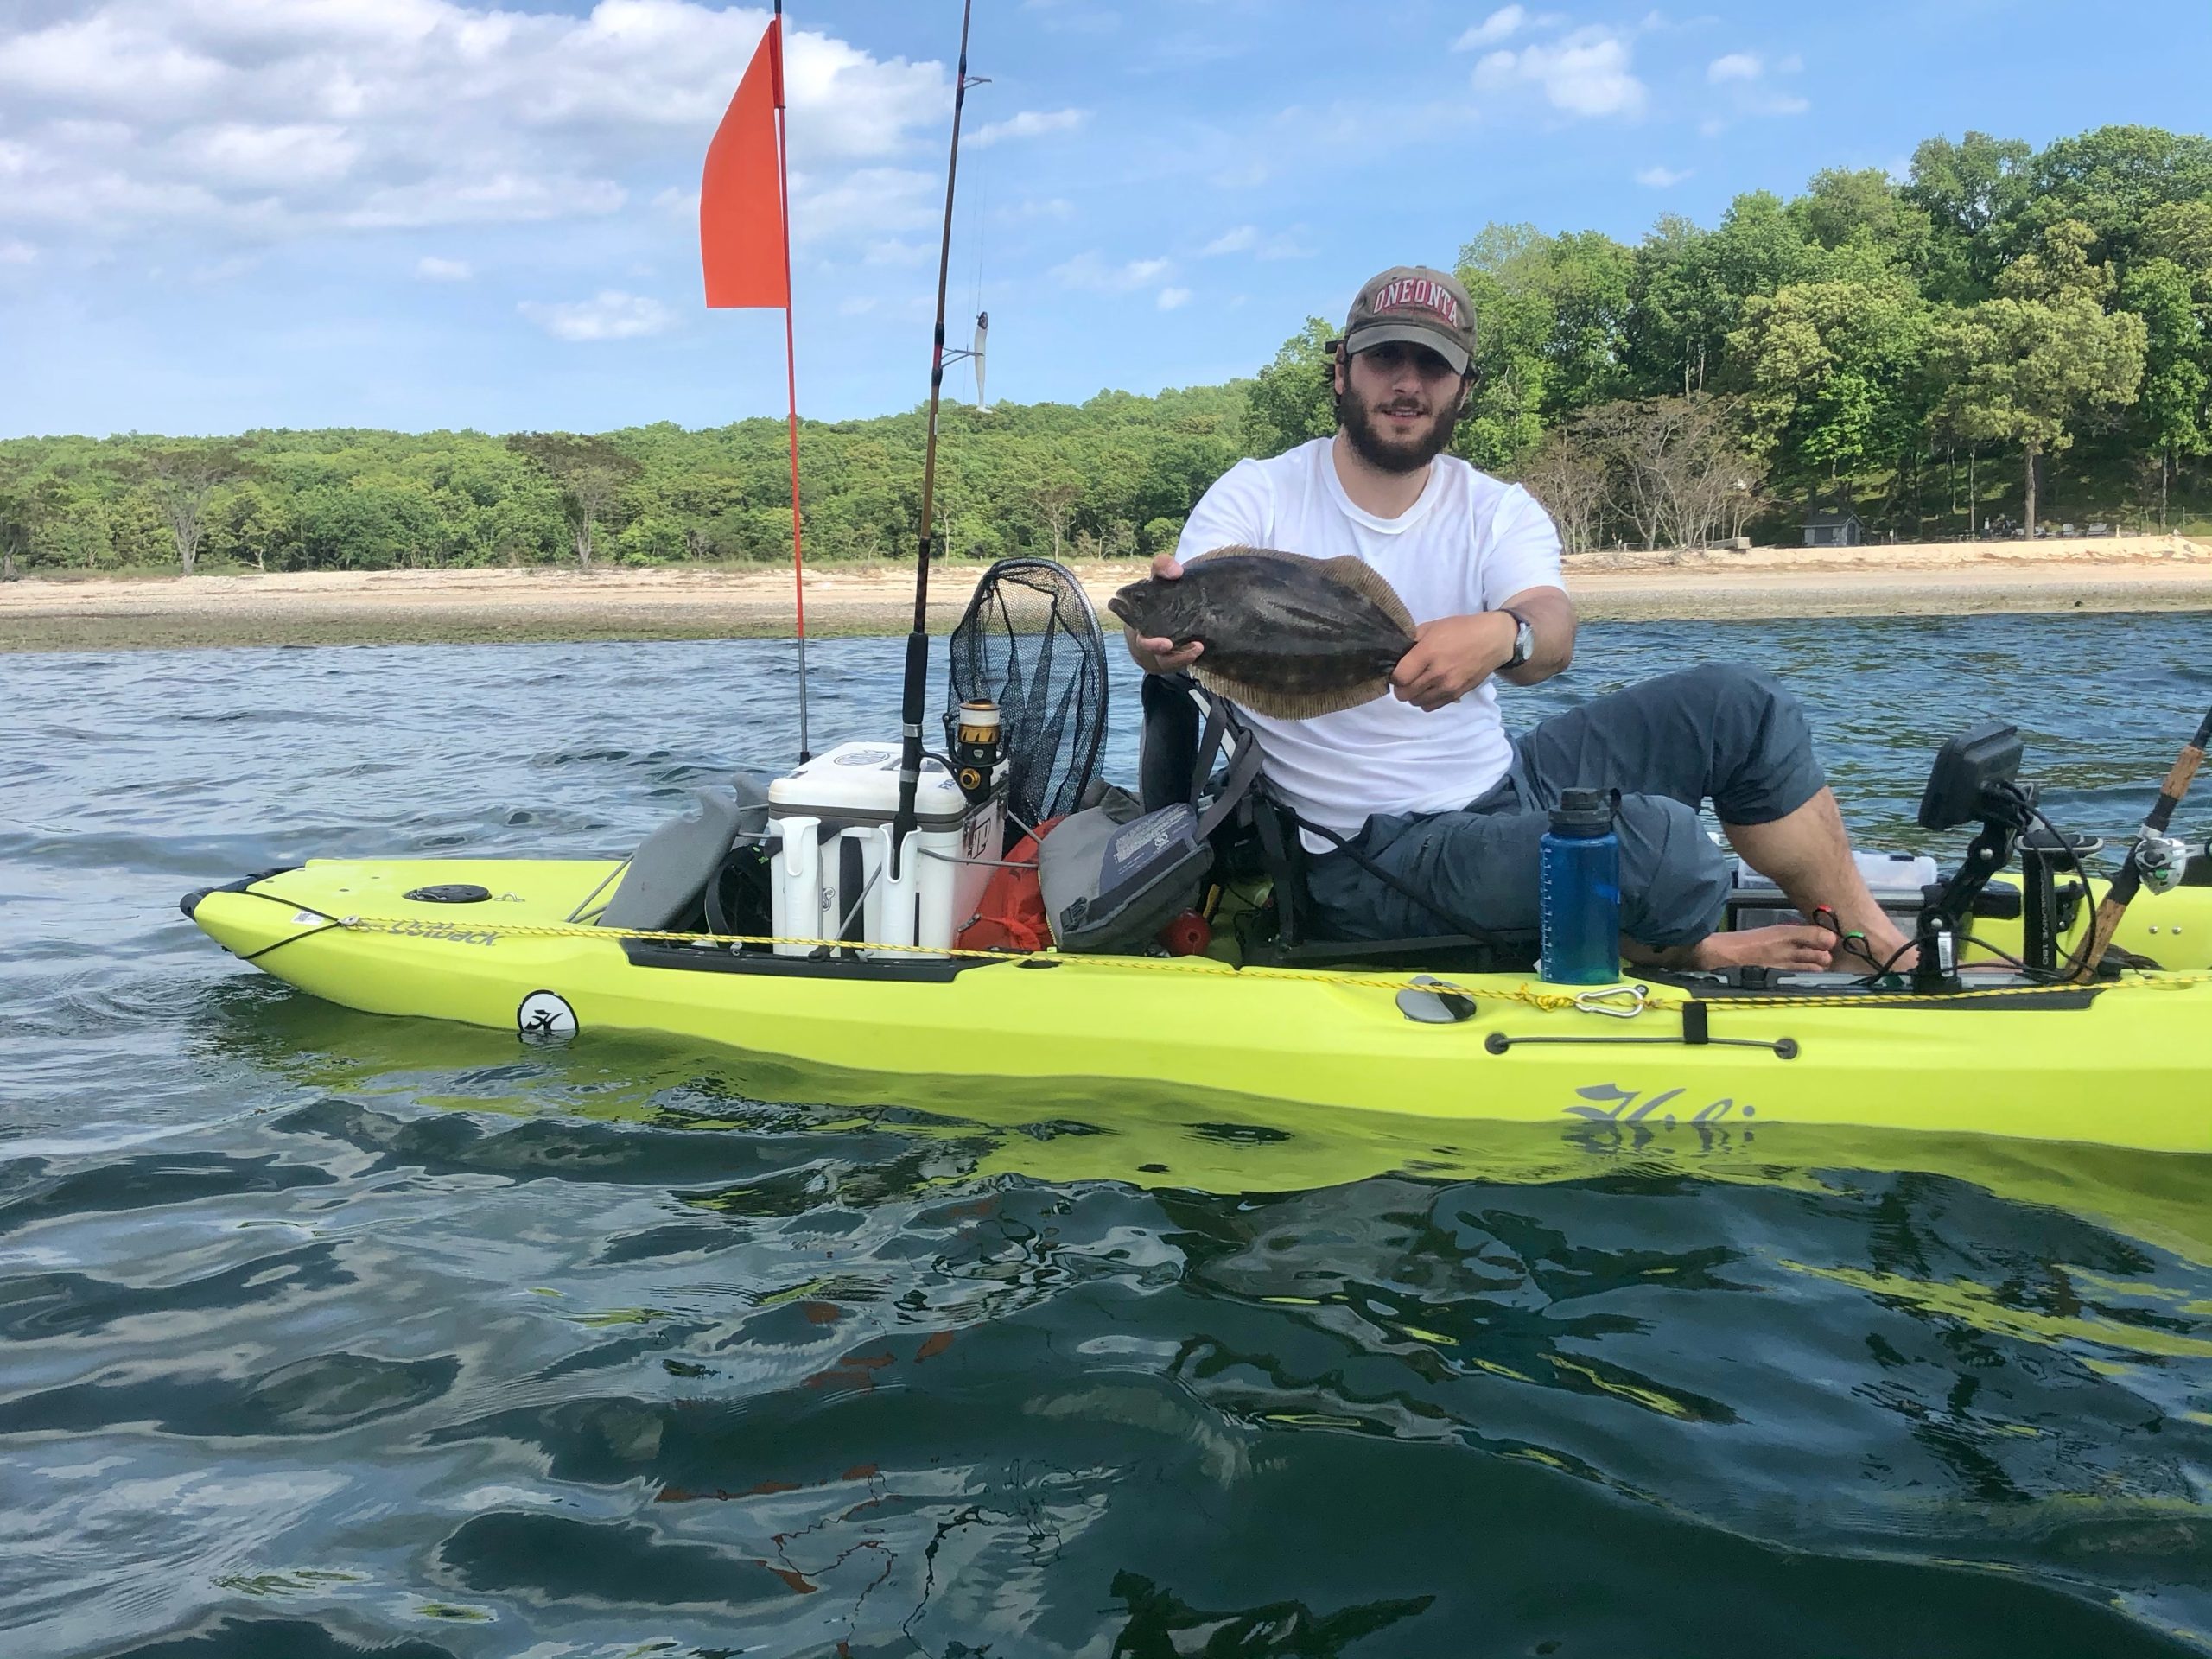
x,y
1722,734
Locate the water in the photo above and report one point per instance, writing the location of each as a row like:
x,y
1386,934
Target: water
x,y
321,1333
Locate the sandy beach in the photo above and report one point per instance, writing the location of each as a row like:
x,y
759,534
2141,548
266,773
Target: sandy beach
x,y
437,607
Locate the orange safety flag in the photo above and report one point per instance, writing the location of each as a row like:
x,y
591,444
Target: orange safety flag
x,y
742,223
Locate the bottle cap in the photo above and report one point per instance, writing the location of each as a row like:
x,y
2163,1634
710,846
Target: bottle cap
x,y
1588,811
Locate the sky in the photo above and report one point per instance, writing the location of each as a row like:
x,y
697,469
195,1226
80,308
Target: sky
x,y
222,214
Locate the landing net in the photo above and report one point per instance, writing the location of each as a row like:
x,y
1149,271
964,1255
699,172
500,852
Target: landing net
x,y
1029,641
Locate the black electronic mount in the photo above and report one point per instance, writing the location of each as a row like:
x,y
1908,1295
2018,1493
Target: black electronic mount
x,y
1976,776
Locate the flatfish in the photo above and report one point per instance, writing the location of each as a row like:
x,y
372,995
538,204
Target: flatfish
x,y
1284,636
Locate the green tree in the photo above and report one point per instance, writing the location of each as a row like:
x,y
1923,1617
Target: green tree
x,y
18,513
1843,207
252,523
2027,366
1549,311
1690,287
590,473
180,478
2114,180
2181,232
1833,371
2173,418
366,525
1294,398
1969,190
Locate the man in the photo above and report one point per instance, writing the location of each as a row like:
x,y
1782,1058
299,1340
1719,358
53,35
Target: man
x,y
1424,786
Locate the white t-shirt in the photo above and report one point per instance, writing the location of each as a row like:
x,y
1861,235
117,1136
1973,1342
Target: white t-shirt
x,y
1468,545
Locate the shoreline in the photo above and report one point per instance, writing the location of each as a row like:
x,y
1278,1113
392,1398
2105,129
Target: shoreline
x,y
495,604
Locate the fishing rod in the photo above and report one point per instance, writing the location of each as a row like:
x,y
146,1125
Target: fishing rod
x,y
790,379
2156,858
918,640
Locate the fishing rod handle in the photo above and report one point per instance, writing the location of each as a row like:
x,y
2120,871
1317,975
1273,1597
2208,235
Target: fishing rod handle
x,y
2129,882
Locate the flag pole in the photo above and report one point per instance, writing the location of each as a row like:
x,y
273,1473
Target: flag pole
x,y
917,641
790,380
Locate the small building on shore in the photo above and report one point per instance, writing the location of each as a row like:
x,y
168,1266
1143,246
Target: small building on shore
x,y
1833,527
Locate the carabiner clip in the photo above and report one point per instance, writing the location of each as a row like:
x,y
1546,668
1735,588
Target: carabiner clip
x,y
1610,1002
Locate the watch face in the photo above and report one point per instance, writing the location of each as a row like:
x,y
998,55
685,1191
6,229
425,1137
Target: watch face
x,y
1524,645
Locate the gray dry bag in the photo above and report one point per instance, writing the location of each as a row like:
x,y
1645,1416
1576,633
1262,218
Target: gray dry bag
x,y
1111,882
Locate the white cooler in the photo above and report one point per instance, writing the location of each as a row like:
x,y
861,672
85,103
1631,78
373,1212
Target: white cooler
x,y
832,821
1895,880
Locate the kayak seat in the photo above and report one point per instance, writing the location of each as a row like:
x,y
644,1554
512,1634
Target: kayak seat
x,y
1284,933
665,885
1255,839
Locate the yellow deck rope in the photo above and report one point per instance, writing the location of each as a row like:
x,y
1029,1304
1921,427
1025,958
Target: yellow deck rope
x,y
1527,995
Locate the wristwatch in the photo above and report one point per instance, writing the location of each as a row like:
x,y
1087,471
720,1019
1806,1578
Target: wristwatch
x,y
1524,638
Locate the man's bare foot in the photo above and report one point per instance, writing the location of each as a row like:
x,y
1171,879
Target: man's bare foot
x,y
1789,945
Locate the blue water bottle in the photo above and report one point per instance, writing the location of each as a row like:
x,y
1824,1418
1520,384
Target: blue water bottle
x,y
1581,891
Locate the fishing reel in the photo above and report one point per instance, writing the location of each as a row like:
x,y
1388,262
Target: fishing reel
x,y
975,748
2162,861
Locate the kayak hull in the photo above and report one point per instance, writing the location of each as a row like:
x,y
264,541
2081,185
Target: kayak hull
x,y
2123,1066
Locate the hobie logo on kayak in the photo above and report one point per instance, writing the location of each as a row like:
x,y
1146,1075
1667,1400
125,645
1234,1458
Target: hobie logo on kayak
x,y
545,1016
1608,1103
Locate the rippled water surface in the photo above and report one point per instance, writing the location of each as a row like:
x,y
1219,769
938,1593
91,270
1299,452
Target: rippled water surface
x,y
323,1333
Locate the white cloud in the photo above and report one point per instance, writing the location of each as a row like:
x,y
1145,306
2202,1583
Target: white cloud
x,y
1500,25
1246,238
223,270
1746,75
1172,297
1032,208
1587,72
1089,270
111,58
431,269
892,251
859,305
17,253
608,314
1245,175
1660,178
1029,124
508,197
253,155
866,202
262,119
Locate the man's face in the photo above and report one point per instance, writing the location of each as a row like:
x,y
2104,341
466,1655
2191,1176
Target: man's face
x,y
1399,404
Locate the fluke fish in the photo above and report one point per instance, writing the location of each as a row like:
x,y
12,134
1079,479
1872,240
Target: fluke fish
x,y
1284,636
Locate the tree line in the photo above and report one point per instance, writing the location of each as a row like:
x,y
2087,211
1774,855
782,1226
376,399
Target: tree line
x,y
1929,352
1883,345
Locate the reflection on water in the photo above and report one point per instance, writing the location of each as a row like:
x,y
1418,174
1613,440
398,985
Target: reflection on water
x,y
327,1334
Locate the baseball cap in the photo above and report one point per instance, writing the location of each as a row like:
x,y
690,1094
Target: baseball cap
x,y
1417,305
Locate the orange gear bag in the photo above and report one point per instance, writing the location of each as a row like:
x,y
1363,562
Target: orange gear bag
x,y
1012,914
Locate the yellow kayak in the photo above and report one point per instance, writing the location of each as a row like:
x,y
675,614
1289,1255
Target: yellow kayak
x,y
2120,1062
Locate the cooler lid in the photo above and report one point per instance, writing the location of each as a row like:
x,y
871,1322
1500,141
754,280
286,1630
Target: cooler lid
x,y
861,779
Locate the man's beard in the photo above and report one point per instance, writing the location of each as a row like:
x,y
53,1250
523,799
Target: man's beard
x,y
1395,455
